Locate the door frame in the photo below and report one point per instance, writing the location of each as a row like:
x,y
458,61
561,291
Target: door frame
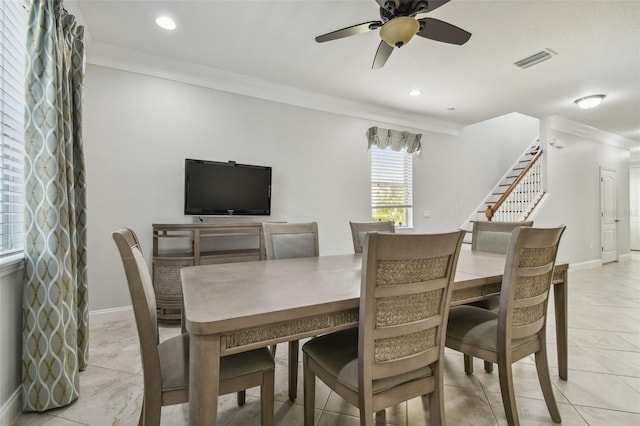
x,y
608,221
634,202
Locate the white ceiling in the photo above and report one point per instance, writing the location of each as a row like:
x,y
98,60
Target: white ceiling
x,y
597,45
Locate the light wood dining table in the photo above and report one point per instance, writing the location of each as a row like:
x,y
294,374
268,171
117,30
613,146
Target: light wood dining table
x,y
234,307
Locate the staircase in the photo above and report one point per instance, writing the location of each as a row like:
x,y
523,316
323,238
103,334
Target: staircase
x,y
516,195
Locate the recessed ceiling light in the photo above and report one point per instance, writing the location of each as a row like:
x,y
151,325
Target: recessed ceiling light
x,y
166,23
590,101
415,92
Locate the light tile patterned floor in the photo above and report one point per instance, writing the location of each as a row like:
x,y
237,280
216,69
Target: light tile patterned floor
x,y
603,387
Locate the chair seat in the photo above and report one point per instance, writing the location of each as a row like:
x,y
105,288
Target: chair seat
x,y
478,327
338,354
174,362
491,303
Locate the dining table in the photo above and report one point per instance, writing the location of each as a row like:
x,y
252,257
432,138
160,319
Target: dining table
x,y
234,307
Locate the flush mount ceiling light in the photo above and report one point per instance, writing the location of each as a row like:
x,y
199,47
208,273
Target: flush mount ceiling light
x,y
166,23
415,92
590,101
399,31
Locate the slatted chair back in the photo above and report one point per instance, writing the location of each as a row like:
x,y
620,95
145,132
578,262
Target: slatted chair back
x,y
526,284
405,295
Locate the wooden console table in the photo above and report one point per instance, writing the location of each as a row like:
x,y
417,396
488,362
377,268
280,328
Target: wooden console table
x,y
178,245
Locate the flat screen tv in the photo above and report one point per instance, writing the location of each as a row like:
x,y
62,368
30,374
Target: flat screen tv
x,y
217,188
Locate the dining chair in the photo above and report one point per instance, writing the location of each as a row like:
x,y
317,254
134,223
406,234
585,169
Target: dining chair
x,y
359,231
290,240
397,351
492,237
518,329
165,365
286,241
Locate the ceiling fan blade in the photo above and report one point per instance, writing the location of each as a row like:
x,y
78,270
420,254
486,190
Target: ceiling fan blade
x,y
382,54
437,30
349,31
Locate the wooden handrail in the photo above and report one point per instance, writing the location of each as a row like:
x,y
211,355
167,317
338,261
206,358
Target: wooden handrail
x,y
490,211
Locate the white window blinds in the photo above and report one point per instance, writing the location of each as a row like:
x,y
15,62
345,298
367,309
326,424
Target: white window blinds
x,y
13,15
391,179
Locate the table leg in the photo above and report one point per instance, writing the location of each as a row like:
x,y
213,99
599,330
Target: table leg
x,y
560,295
294,345
204,384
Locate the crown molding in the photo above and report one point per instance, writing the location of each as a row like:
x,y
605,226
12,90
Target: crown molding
x,y
139,62
561,124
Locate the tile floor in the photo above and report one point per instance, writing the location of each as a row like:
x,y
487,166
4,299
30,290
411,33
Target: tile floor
x,y
603,386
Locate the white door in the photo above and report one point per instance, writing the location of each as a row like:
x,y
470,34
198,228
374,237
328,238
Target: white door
x,y
634,186
608,216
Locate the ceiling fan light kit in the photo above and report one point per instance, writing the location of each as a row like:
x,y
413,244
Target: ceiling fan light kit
x,y
399,31
590,101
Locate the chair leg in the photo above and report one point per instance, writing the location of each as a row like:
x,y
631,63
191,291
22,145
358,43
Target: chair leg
x,y
367,417
267,398
242,398
488,366
436,398
150,415
468,364
309,382
542,367
505,374
293,369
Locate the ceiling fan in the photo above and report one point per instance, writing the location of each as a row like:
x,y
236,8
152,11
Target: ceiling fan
x,y
398,24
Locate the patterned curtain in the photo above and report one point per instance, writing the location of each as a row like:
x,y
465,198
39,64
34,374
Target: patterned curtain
x,y
394,139
55,315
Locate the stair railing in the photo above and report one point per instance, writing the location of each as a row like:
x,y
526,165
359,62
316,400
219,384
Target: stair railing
x,y
526,190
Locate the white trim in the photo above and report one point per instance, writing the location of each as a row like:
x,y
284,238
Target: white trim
x,y
11,264
589,264
102,316
11,409
561,124
136,61
625,257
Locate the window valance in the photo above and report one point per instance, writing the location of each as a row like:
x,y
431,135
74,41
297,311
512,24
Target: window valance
x,y
395,139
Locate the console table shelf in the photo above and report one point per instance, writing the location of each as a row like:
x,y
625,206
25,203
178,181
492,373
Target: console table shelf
x,y
178,245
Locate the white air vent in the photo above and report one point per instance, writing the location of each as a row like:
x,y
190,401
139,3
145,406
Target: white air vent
x,y
536,58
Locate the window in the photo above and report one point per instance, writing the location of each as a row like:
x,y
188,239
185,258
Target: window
x,y
13,24
391,186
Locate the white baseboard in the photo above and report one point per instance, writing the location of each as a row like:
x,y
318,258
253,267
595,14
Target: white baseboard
x,y
589,264
11,409
108,315
625,257
596,263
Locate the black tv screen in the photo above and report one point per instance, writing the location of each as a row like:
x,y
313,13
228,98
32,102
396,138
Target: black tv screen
x,y
218,188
